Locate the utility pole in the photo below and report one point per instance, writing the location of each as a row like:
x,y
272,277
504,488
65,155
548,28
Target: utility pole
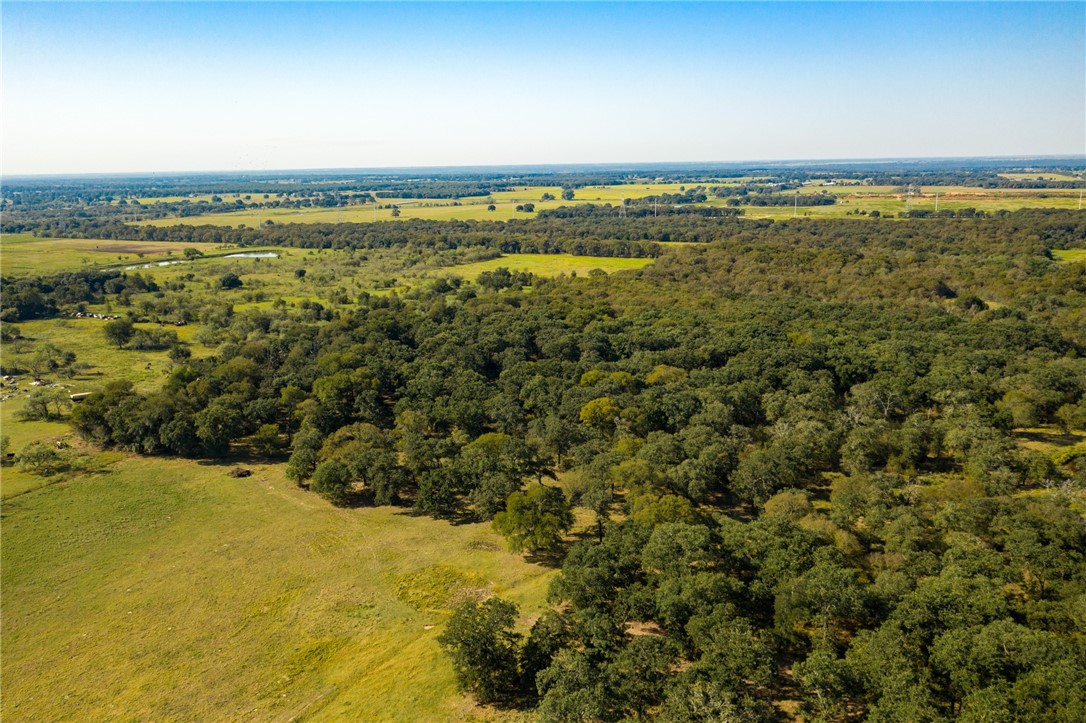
x,y
936,202
795,208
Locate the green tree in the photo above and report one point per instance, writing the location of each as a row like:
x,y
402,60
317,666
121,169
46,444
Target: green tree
x,y
218,424
370,456
493,466
1071,417
266,439
40,458
332,481
480,639
118,331
305,447
600,414
827,593
230,281
535,519
45,403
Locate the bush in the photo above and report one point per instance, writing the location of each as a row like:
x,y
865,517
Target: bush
x,y
153,339
40,458
230,281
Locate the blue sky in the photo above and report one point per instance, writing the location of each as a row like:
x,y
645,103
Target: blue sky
x,y
223,86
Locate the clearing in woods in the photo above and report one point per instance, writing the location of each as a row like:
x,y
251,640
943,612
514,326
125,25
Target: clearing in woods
x,y
1070,255
547,265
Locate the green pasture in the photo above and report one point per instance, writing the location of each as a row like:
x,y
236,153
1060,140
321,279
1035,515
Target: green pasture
x,y
1042,175
432,209
163,589
886,203
197,197
24,254
949,191
85,337
546,265
1077,256
612,194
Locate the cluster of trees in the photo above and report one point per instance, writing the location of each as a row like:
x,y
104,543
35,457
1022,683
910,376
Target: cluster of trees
x,y
797,442
786,199
503,278
22,299
968,212
694,194
772,194
123,333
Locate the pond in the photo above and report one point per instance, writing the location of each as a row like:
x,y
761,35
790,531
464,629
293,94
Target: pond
x,y
151,266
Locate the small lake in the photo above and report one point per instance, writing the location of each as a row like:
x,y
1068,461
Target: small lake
x,y
151,266
253,255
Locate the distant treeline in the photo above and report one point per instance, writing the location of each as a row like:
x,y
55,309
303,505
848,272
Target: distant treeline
x,y
560,230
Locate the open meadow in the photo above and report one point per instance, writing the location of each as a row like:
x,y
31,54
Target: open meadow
x,y
1071,255
163,589
547,265
430,209
25,254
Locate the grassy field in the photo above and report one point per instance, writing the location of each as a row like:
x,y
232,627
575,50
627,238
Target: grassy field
x,y
602,194
196,198
547,265
1077,256
161,589
23,253
886,203
1045,176
436,210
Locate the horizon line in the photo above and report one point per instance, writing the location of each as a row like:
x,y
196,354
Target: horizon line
x,y
538,167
